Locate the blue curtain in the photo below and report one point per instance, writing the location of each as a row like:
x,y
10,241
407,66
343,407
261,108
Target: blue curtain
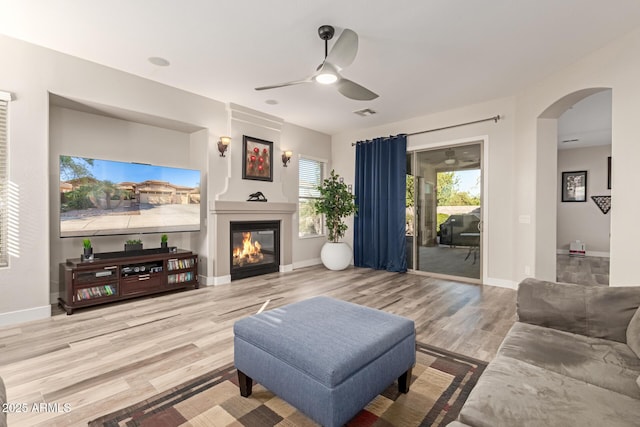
x,y
380,190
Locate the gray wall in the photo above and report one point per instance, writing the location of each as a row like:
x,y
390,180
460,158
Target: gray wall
x,y
31,73
585,221
95,136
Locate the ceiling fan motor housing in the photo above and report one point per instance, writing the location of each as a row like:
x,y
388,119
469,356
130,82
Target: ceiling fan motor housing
x,y
326,32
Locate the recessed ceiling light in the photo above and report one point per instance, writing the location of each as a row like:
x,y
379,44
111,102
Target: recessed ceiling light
x,y
271,102
160,62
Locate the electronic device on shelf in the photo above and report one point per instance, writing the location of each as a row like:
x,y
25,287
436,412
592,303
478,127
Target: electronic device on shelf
x,y
142,268
104,273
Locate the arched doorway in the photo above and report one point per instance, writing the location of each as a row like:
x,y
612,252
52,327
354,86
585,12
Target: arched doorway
x,y
548,183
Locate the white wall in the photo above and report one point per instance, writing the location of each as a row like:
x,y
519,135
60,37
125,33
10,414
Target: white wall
x,y
584,221
31,73
615,66
303,142
498,190
521,164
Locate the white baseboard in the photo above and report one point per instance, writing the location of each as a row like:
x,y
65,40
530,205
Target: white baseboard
x,y
501,283
307,263
587,253
219,280
213,280
286,268
26,315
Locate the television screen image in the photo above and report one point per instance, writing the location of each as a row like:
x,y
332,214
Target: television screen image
x,y
104,197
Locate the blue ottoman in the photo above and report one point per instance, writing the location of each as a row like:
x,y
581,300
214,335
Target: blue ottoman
x,y
326,357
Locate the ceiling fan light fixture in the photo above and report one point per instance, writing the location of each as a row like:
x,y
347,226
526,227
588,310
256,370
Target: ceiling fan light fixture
x,y
326,78
450,160
327,74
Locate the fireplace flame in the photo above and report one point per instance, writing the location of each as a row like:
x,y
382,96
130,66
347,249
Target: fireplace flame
x,y
249,253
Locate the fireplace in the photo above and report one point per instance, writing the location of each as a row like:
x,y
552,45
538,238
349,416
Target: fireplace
x,y
255,248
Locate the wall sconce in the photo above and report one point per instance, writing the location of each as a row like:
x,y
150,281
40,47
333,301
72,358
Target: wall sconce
x,y
223,144
286,157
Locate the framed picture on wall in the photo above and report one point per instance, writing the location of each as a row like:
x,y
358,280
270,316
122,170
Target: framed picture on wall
x,y
609,173
257,159
574,186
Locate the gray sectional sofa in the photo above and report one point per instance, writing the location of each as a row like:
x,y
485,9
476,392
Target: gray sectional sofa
x,y
3,400
572,359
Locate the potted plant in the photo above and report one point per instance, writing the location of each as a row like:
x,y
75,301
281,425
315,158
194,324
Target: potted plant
x,y
88,250
133,245
335,203
164,240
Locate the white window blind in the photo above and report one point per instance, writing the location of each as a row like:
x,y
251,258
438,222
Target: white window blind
x,y
310,176
4,178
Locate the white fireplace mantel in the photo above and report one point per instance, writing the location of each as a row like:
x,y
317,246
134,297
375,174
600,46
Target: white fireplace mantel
x,y
243,208
223,212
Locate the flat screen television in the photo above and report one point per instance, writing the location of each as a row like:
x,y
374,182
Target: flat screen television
x,y
104,197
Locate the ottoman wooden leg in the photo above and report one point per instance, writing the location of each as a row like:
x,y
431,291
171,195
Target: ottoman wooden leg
x,y
245,384
404,381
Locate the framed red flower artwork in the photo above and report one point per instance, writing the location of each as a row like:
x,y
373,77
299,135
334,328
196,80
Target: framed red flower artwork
x,y
257,159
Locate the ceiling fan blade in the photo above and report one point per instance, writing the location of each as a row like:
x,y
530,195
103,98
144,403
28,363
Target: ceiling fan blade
x,y
344,49
355,91
295,82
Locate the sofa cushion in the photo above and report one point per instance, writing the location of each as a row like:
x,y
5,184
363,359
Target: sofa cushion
x,y
511,393
596,311
610,309
633,333
552,305
607,364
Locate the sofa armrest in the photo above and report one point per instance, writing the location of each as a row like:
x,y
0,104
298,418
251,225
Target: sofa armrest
x,y
3,400
595,311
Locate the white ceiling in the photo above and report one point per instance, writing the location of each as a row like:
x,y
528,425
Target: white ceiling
x,y
421,56
587,123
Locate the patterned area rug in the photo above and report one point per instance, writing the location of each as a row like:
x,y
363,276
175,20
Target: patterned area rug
x,y
441,382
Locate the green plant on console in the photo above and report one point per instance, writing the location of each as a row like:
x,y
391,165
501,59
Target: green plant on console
x,y
134,242
164,238
86,243
335,203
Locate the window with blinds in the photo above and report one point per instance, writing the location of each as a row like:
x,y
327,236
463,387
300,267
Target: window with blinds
x,y
4,178
310,176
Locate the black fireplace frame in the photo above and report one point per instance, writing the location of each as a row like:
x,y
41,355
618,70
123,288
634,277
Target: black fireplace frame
x,y
255,270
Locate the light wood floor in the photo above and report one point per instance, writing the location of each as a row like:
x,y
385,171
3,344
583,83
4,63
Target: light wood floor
x,y
102,359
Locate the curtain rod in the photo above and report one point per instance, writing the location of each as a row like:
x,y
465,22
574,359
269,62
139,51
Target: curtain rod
x,y
494,118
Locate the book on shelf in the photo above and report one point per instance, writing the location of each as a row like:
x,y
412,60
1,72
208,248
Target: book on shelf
x,y
179,264
180,277
95,292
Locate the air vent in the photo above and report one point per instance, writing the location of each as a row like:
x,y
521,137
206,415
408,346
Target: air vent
x,y
365,112
570,140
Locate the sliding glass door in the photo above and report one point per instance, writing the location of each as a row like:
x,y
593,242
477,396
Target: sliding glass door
x,y
444,205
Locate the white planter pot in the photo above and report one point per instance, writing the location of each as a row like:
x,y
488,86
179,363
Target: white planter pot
x,y
336,256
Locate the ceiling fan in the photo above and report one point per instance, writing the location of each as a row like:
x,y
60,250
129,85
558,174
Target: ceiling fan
x,y
341,56
452,160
